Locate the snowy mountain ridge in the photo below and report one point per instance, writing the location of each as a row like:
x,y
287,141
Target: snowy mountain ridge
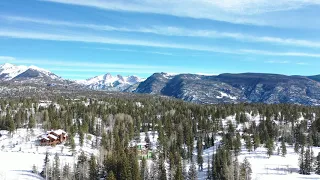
x,y
10,71
109,82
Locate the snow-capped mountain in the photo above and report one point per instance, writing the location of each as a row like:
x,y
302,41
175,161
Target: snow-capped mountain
x,y
109,82
10,71
13,72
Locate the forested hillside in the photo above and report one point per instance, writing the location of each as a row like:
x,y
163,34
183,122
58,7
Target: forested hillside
x,y
180,133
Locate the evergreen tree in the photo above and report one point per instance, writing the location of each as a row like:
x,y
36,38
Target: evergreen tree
x,y
237,144
209,173
245,170
162,169
192,174
256,141
236,169
248,143
93,168
66,172
178,174
34,169
144,169
317,164
111,176
308,161
46,164
56,167
200,152
270,146
283,148
81,138
302,166
32,122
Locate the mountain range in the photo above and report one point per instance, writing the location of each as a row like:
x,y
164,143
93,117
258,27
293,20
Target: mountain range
x,y
110,83
223,88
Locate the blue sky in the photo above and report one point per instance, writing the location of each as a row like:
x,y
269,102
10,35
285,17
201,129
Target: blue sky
x,y
79,39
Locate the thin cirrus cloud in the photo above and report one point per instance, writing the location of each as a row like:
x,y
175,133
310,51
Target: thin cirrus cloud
x,y
66,64
172,31
134,51
277,62
133,42
234,11
70,67
6,58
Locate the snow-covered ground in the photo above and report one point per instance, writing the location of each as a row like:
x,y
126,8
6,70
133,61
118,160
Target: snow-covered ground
x,y
265,168
19,153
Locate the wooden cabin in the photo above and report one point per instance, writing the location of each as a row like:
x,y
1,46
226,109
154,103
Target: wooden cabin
x,y
53,137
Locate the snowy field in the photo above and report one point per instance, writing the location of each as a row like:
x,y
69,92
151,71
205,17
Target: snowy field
x,y
19,153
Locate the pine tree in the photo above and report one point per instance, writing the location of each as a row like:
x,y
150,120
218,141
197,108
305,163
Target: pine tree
x,y
32,122
236,169
34,169
209,173
111,176
184,170
93,168
256,141
66,172
46,164
296,147
245,170
154,171
237,144
213,166
81,138
199,156
283,148
135,170
317,164
144,169
308,161
178,174
192,174
301,161
270,146
81,167
56,167
248,143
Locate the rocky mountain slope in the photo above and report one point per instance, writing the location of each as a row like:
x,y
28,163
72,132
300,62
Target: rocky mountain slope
x,y
234,88
224,88
13,74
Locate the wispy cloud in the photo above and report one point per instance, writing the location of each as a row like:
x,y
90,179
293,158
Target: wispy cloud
x,y
73,66
302,63
6,58
235,11
67,68
286,62
134,51
172,31
277,62
271,53
133,42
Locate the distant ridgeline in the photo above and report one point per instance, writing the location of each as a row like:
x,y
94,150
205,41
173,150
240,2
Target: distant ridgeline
x,y
17,81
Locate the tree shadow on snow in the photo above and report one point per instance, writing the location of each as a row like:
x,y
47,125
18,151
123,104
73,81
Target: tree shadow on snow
x,y
28,174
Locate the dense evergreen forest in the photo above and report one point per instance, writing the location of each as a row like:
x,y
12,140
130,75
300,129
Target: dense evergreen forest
x,y
182,128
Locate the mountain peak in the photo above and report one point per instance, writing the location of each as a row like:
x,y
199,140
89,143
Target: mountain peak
x,y
108,81
7,65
